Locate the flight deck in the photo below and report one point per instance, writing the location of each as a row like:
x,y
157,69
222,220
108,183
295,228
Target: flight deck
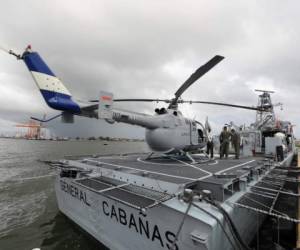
x,y
171,174
178,170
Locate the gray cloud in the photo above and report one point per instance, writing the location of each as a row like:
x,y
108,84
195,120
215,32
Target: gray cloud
x,y
147,49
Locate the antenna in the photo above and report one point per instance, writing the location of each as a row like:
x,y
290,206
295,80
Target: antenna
x,y
264,91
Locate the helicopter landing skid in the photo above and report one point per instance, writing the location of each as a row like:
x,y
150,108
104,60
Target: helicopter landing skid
x,y
188,155
180,156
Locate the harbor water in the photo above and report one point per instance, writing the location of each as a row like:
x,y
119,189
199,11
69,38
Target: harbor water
x,y
29,217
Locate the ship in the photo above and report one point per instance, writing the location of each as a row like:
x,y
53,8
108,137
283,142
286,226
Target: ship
x,y
133,201
175,197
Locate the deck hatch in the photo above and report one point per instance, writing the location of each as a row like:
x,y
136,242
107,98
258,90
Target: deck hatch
x,y
96,185
133,195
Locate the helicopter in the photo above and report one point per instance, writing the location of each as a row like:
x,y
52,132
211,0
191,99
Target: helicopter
x,y
167,130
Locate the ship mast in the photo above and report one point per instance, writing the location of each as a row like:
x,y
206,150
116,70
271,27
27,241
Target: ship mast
x,y
265,115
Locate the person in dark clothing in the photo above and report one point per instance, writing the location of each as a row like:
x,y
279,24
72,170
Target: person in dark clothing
x,y
236,140
224,141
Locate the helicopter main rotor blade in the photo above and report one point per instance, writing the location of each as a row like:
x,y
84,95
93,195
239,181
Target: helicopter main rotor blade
x,y
226,104
141,100
137,100
197,74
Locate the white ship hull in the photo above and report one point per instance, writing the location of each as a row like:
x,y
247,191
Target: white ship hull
x,y
120,225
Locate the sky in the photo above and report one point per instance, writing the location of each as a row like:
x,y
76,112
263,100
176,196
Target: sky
x,y
147,49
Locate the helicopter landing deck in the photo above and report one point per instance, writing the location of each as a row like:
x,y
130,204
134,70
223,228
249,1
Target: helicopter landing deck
x,y
176,170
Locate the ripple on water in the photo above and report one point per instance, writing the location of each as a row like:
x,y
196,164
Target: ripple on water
x,y
21,211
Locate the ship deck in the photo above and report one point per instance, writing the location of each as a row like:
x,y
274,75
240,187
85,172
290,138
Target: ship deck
x,y
141,181
179,170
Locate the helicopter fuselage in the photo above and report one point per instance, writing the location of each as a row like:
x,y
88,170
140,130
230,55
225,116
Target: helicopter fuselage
x,y
167,131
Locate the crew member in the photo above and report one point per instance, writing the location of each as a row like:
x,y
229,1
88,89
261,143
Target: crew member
x,y
210,144
236,140
224,141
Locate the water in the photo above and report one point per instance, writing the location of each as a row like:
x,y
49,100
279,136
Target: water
x,y
29,216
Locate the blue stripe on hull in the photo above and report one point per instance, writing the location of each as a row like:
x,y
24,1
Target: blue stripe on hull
x,y
60,101
35,63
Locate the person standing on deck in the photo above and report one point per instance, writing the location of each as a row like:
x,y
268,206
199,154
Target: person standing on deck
x,y
224,141
210,144
236,140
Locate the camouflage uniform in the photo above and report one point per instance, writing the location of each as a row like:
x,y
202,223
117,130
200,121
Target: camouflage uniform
x,y
224,140
236,140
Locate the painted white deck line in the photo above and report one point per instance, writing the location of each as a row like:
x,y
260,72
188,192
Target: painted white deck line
x,y
180,165
192,166
209,174
214,163
236,166
141,170
157,163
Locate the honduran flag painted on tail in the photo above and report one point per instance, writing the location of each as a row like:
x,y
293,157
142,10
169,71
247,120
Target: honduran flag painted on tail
x,y
54,92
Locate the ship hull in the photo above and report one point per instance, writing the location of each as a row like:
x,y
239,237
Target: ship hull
x,y
120,225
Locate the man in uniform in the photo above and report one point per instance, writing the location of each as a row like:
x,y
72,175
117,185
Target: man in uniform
x,y
224,141
210,144
236,140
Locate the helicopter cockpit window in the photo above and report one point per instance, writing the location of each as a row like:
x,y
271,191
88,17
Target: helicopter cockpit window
x,y
200,135
160,111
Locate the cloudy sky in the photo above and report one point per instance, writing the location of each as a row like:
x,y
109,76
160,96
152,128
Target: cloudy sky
x,y
141,48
